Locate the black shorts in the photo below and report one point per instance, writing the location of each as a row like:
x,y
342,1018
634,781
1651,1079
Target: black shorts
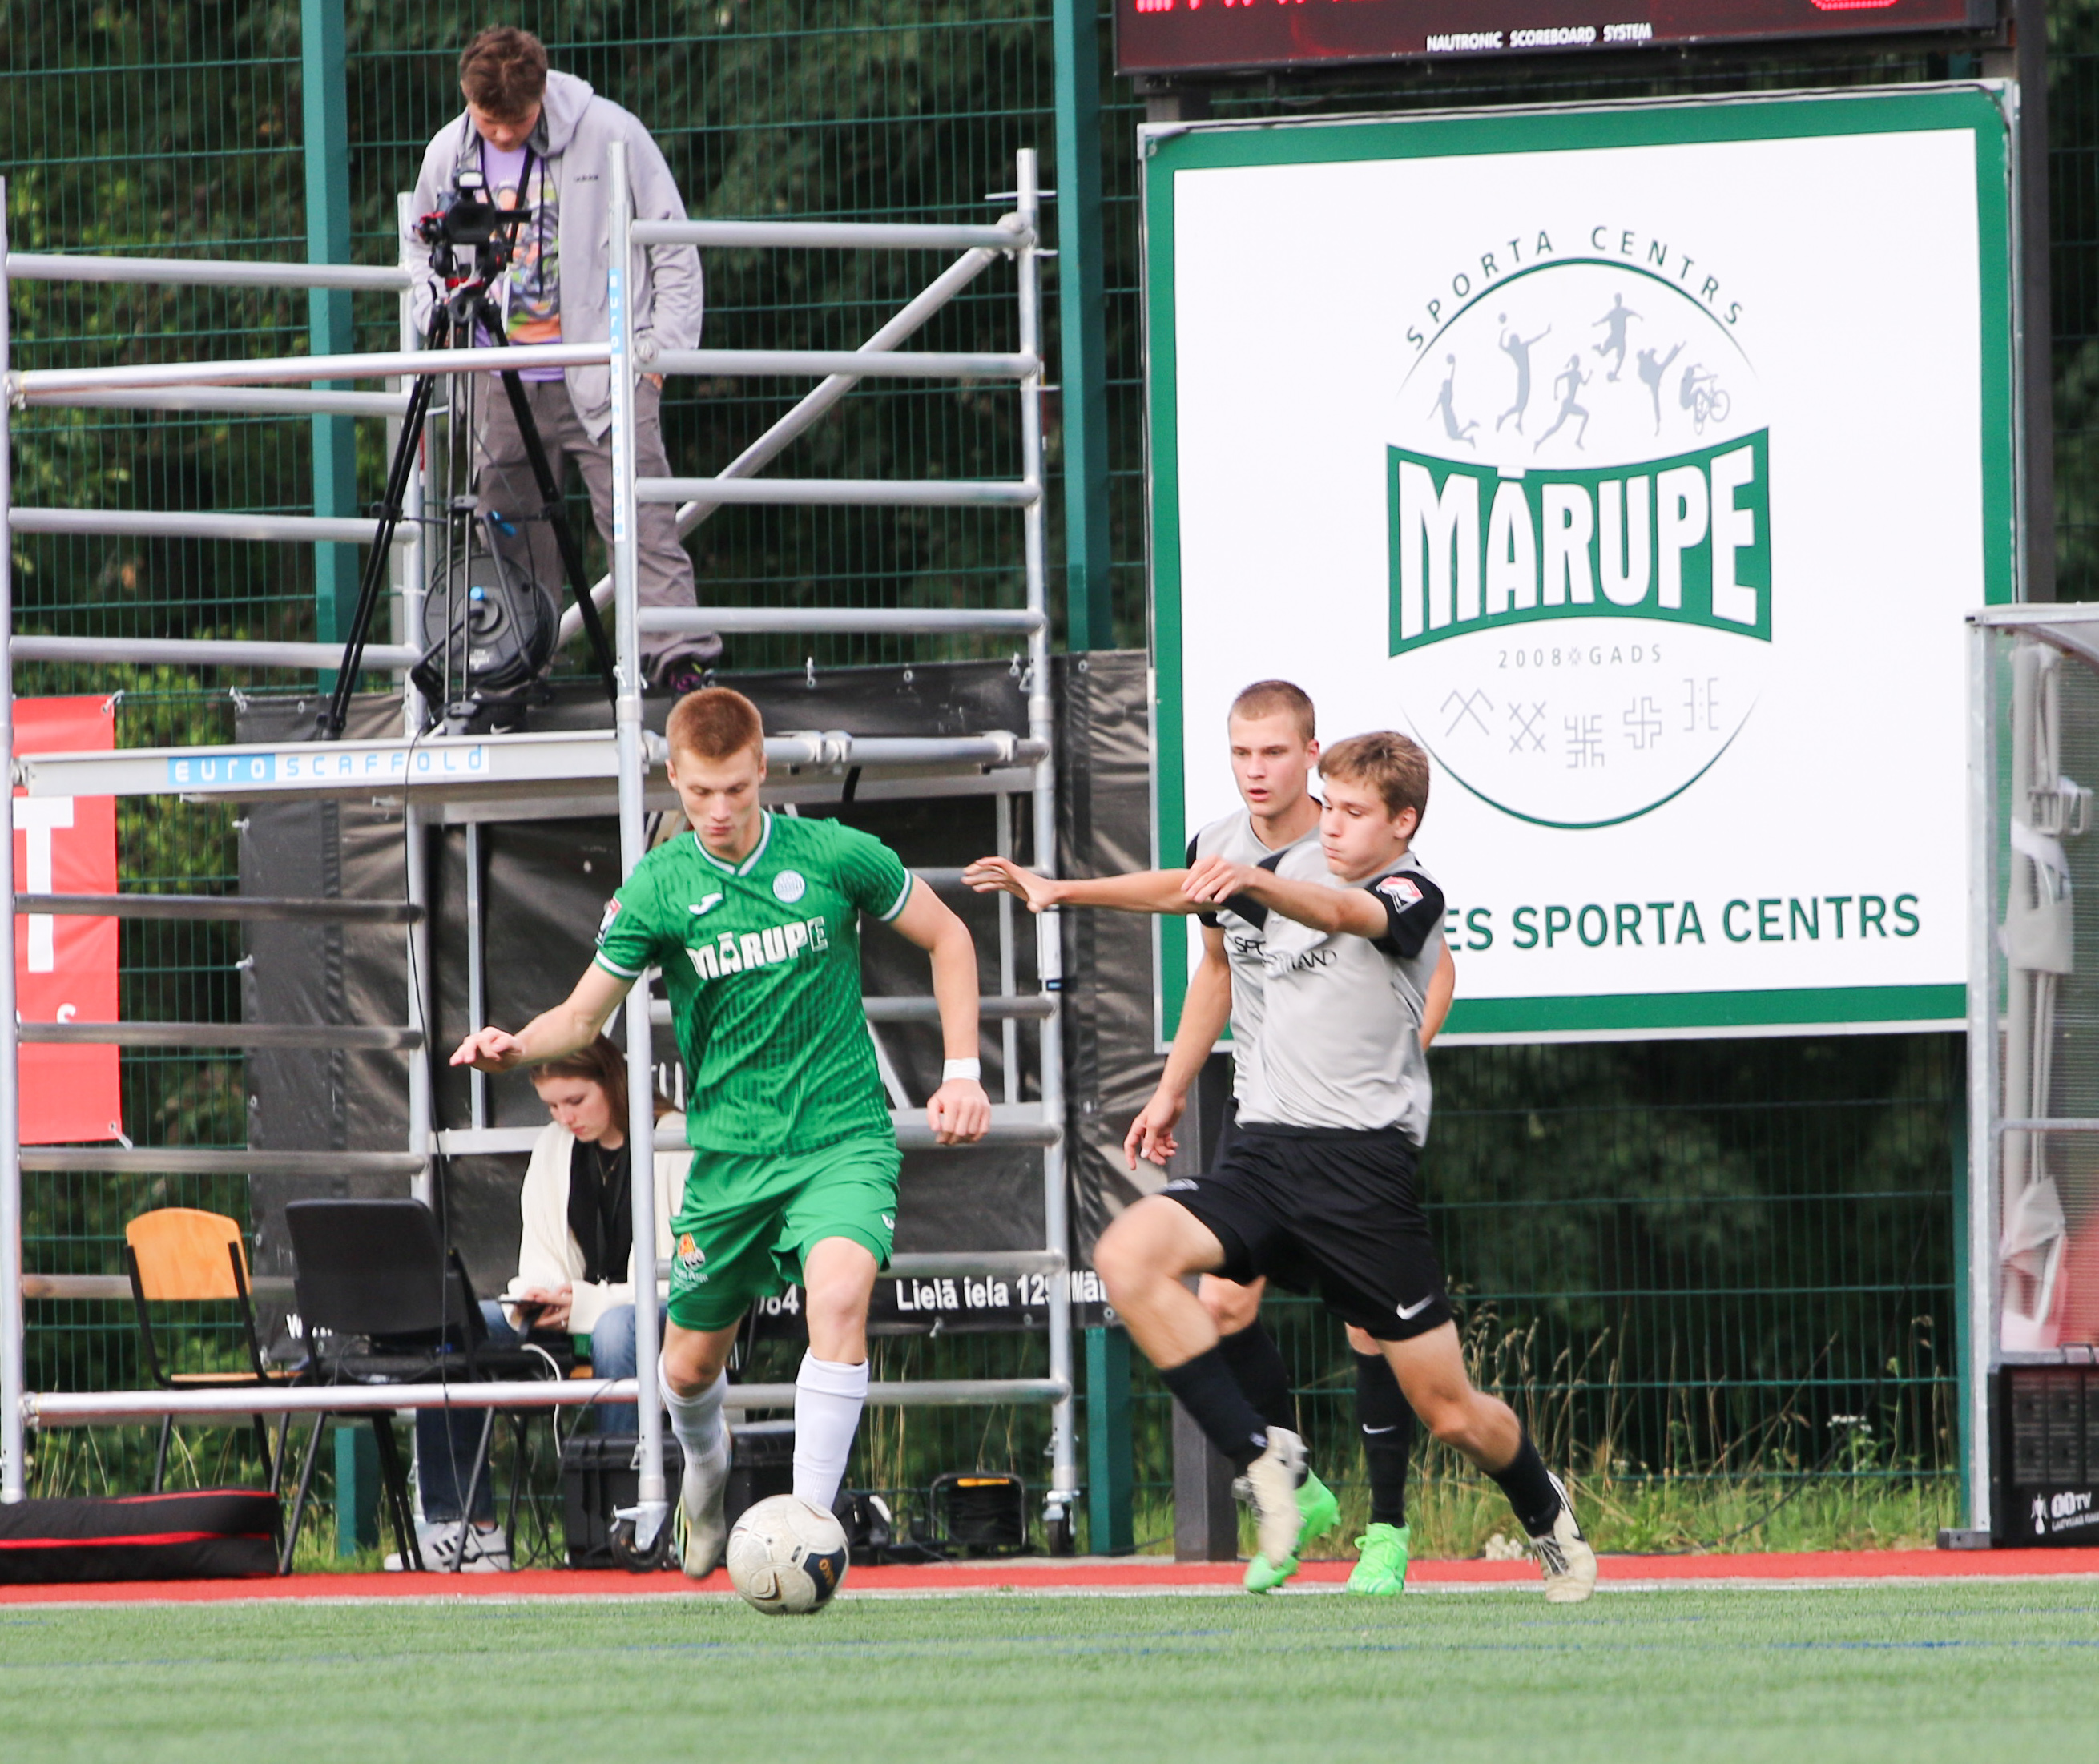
x,y
1328,1211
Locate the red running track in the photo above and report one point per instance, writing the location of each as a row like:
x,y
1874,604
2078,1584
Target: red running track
x,y
1093,1574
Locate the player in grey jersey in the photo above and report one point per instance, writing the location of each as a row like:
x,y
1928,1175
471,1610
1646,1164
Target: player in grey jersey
x,y
1274,746
1319,1189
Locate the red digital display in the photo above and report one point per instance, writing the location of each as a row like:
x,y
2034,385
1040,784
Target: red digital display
x,y
1214,36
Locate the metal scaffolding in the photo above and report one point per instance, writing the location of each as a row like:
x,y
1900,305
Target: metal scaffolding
x,y
439,778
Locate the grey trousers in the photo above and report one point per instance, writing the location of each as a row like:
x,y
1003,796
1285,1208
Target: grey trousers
x,y
505,485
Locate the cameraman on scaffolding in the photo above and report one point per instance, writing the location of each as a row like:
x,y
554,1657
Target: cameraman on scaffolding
x,y
541,139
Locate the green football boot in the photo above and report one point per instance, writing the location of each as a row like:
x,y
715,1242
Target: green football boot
x,y
1317,1508
1380,1570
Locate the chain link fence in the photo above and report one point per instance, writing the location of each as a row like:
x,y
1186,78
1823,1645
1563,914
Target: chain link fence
x,y
1704,1261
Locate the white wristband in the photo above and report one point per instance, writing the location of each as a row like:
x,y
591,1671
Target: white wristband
x,y
972,1070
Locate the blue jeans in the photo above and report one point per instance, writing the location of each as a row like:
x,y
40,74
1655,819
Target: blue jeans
x,y
446,1439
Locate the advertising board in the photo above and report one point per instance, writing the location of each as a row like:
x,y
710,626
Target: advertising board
x,y
1639,461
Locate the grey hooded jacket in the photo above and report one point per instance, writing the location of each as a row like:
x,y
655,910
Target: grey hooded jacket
x,y
576,130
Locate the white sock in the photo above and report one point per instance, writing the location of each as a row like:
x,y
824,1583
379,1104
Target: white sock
x,y
695,1421
828,1395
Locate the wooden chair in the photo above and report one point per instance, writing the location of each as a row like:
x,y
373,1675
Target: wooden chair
x,y
181,1255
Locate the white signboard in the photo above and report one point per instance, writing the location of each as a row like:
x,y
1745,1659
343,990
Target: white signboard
x,y
1640,462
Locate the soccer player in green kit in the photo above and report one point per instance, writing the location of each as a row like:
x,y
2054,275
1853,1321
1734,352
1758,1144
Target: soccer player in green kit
x,y
753,918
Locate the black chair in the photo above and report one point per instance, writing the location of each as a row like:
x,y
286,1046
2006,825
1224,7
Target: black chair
x,y
383,1301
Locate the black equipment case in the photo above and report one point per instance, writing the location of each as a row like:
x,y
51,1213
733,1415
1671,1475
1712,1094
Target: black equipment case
x,y
599,1476
203,1534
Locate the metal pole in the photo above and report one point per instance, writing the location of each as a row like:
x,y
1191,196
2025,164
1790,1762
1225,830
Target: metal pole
x,y
477,977
1059,1505
14,1380
324,107
1082,344
650,1505
1009,1031
1978,1301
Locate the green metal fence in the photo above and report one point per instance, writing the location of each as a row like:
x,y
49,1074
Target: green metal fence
x,y
1687,1259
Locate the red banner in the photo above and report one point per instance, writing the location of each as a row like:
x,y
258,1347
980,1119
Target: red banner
x,y
65,969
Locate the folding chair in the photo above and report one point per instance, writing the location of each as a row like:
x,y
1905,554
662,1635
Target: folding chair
x,y
180,1255
378,1273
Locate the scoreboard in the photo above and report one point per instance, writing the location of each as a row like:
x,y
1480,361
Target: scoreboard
x,y
1154,37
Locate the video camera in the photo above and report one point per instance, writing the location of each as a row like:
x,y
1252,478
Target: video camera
x,y
466,218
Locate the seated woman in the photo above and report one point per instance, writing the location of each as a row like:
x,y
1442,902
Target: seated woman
x,y
575,1277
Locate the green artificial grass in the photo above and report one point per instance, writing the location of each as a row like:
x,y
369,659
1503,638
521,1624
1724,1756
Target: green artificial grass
x,y
1913,1673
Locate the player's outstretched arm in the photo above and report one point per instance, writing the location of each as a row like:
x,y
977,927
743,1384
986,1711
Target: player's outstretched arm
x,y
959,1111
1150,891
1205,1008
571,1025
1212,882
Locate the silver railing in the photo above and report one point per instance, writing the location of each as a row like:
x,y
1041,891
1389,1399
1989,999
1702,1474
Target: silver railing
x,y
428,773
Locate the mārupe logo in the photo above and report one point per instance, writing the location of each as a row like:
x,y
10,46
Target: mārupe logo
x,y
1684,539
1578,509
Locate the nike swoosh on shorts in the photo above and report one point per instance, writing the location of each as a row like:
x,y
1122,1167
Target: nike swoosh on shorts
x,y
1408,1313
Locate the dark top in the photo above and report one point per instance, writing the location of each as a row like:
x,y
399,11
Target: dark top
x,y
601,1209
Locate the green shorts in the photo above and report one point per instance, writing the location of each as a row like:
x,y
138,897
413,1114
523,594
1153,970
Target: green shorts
x,y
747,1222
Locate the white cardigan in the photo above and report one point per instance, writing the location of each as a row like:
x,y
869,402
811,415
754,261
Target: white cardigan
x,y
548,1255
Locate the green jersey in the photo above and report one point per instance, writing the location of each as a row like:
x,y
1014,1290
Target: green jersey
x,y
761,960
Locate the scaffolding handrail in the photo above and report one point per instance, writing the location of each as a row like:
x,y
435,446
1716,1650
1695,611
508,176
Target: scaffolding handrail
x,y
855,621
1007,236
210,652
382,1038
866,364
381,364
842,492
184,523
206,272
239,401
320,909
88,1408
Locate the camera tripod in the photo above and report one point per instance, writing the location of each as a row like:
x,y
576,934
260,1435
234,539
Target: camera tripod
x,y
467,219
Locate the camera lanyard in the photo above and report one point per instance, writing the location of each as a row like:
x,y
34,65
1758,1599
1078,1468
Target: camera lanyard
x,y
532,210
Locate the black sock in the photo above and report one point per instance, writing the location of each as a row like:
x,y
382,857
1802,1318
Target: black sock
x,y
1207,1390
1257,1367
1388,1426
1529,1488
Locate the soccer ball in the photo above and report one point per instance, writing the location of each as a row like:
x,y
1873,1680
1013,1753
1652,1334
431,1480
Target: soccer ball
x,y
785,1557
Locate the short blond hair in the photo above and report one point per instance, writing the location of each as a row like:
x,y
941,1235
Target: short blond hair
x,y
714,723
1390,763
1277,698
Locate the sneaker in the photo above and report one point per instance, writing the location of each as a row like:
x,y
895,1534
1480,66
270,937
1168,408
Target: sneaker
x,y
700,1526
1564,1558
681,674
1273,1482
443,1543
1380,1569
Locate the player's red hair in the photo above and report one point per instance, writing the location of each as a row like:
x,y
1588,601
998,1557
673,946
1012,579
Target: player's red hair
x,y
714,723
1389,763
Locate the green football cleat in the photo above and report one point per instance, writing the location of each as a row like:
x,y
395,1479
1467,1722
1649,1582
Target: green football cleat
x,y
1318,1509
1380,1570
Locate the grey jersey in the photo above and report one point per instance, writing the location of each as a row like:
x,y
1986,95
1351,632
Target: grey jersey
x,y
1233,838
1340,1040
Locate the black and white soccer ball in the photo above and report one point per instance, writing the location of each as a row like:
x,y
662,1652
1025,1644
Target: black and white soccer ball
x,y
786,1557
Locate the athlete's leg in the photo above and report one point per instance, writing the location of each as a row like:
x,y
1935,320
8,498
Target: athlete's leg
x,y
1145,1258
831,1386
1431,1372
1388,1429
694,1365
1256,1361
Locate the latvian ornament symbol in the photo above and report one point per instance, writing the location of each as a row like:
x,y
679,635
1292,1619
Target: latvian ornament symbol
x,y
1580,512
